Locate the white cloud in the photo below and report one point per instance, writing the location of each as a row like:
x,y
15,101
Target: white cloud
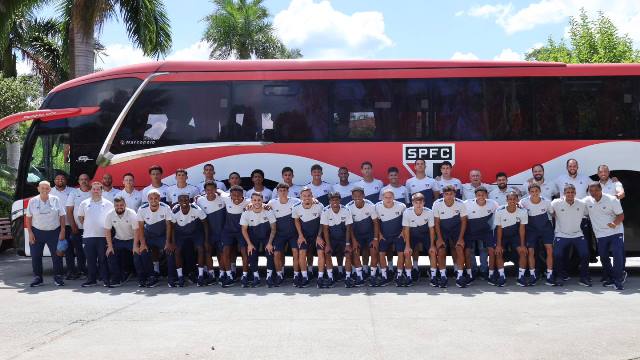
x,y
120,55
464,56
509,55
197,51
324,32
23,67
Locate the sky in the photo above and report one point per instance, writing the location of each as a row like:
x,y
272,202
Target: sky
x,y
384,29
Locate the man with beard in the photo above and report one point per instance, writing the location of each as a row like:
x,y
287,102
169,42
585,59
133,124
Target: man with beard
x,y
499,194
609,185
62,192
108,191
343,187
120,248
548,189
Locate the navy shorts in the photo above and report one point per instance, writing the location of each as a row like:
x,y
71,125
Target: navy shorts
x,y
182,241
471,240
231,239
293,243
123,244
215,241
415,242
535,237
198,240
364,240
387,244
280,242
399,244
338,247
510,242
157,242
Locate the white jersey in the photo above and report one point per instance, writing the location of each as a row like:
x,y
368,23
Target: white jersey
x,y
125,225
456,183
279,209
210,206
182,219
411,219
610,187
266,194
371,189
321,190
343,190
581,182
111,194
568,217
469,191
252,218
500,196
368,210
174,192
442,211
548,190
331,218
45,215
133,200
163,213
535,210
602,213
94,214
163,189
62,195
219,186
306,215
400,193
294,192
477,211
415,185
74,199
504,218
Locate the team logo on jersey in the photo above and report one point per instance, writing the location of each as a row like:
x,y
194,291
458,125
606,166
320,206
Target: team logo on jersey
x,y
432,154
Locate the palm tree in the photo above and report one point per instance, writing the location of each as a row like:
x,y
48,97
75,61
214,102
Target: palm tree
x,y
242,28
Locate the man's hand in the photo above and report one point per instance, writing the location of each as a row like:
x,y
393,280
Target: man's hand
x,y
169,247
440,244
109,251
320,243
612,225
499,250
250,249
375,244
269,248
407,250
460,242
301,240
143,248
32,238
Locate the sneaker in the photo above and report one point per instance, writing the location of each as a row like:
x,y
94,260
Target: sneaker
x,y
304,282
443,282
181,281
296,280
270,282
533,280
501,281
461,282
210,280
58,280
256,282
227,281
126,277
373,282
106,284
493,279
400,281
619,287
156,274
152,282
37,281
609,283
604,278
320,283
408,282
434,281
549,281
338,276
89,284
329,283
142,283
384,281
565,278
469,278
171,283
585,282
244,280
116,284
193,278
415,274
278,280
201,281
348,282
522,281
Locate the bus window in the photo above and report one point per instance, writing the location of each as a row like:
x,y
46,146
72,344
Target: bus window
x,y
507,109
49,157
547,108
458,108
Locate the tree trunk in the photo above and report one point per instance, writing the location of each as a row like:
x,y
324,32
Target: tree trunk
x,y
13,149
82,51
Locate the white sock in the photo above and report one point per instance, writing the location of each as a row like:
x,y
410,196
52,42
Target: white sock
x,y
443,272
469,272
348,275
491,272
330,273
200,271
549,273
521,272
459,274
433,272
366,268
359,272
296,273
179,270
320,274
340,269
156,266
501,272
245,273
408,272
256,275
228,272
532,272
400,271
384,272
304,275
269,273
281,273
374,270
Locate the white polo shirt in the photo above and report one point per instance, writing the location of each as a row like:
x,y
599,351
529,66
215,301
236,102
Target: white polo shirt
x,y
182,219
111,194
400,193
266,194
124,224
163,213
294,192
547,189
45,215
174,192
415,185
163,190
319,190
602,213
411,219
469,191
568,217
95,214
343,190
74,199
581,182
370,188
62,195
505,218
500,196
331,218
133,200
279,209
252,218
443,212
610,187
456,183
219,186
306,215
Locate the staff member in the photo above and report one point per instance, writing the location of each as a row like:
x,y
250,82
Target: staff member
x,y
46,225
120,249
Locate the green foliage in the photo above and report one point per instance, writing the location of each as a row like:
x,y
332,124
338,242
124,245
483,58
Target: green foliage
x,y
242,29
590,41
18,94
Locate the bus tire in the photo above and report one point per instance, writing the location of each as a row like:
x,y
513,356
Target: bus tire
x,y
17,230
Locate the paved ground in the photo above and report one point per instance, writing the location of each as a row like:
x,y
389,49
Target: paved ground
x,y
415,323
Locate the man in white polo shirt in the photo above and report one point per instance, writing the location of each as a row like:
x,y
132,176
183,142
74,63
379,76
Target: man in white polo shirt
x,y
92,213
108,191
606,217
181,188
209,173
548,189
120,248
610,185
62,192
370,185
580,182
568,212
475,181
131,196
76,270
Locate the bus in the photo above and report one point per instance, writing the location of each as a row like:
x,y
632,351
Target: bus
x,y
242,115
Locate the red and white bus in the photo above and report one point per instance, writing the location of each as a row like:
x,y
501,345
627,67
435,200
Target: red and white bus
x,y
242,115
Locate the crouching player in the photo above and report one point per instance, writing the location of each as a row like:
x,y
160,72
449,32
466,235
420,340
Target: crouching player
x,y
213,206
307,220
539,230
232,235
282,207
390,213
365,233
258,230
450,215
154,232
190,229
417,229
120,249
480,224
510,234
336,227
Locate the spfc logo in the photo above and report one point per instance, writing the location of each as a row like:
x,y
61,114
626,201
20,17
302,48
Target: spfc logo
x,y
432,154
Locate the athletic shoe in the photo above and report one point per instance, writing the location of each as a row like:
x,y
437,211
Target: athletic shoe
x,y
156,274
193,278
493,279
72,276
434,281
106,284
604,278
549,281
270,282
565,278
461,282
400,281
152,282
256,282
338,276
469,278
227,281
142,283
278,280
609,283
116,284
348,282
89,284
522,281
304,282
533,280
358,282
37,281
585,282
201,281
415,274
443,282
181,281
408,282
619,287
373,282
58,280
329,283
244,280
384,281
501,281
210,280
320,283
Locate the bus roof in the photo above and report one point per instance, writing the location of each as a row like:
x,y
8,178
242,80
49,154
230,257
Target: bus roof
x,y
477,67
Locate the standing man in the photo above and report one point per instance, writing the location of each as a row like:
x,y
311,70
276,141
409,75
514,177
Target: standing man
x,y
606,217
423,184
92,213
307,221
155,174
120,249
286,233
181,188
447,180
62,192
418,232
131,196
214,207
548,189
343,186
580,182
480,227
475,181
45,223
366,234
610,186
390,213
108,191
257,177
77,196
319,189
450,216
400,191
209,173
568,212
499,194
287,178
370,185
154,232
539,230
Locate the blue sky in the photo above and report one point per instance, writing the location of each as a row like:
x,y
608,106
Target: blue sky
x,y
386,29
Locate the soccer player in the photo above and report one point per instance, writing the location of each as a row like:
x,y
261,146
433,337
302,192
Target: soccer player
x,y
209,173
450,216
77,196
62,192
131,196
499,194
214,207
423,184
336,227
390,214
155,174
480,226
343,186
606,217
235,204
580,182
181,188
548,189
45,223
307,221
287,178
108,191
370,185
475,181
258,231
286,233
120,248
568,212
400,191
319,188
446,179
539,230
190,228
510,234
154,232
365,234
610,186
418,232
92,213
257,177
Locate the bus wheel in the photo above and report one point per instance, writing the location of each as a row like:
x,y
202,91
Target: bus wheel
x,y
17,230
